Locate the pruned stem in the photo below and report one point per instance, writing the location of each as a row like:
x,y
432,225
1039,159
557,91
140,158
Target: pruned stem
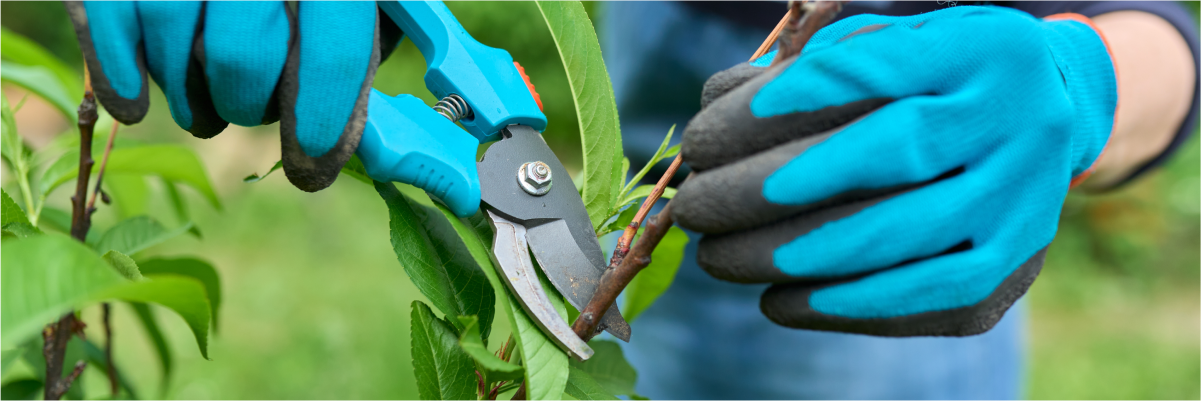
x,y
804,19
614,280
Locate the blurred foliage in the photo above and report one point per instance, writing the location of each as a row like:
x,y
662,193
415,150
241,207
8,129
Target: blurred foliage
x,y
316,306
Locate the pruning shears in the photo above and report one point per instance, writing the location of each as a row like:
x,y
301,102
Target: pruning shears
x,y
526,194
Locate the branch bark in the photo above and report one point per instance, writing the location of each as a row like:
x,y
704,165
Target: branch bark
x,y
56,335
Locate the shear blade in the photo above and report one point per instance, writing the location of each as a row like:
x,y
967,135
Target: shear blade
x,y
558,228
511,254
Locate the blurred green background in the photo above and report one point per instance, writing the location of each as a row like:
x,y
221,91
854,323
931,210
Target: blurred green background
x,y
316,305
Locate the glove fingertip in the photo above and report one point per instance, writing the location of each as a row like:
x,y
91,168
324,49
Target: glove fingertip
x,y
129,104
723,82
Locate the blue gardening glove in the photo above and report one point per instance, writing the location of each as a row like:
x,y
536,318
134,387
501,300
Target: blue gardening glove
x,y
904,175
247,63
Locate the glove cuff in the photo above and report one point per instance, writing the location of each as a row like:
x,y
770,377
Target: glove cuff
x,y
1090,74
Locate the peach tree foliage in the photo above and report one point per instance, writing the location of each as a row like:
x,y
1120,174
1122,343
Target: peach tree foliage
x,y
46,273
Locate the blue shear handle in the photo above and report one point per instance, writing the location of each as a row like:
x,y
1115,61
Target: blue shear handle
x,y
406,141
458,64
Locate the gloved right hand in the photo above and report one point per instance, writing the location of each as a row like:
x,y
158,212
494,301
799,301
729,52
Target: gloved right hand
x,y
247,63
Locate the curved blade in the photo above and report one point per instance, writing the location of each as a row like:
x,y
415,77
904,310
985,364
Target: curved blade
x,y
511,254
559,231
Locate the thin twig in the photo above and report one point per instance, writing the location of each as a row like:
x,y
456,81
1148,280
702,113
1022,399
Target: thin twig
x,y
520,394
771,38
57,334
108,148
110,367
623,243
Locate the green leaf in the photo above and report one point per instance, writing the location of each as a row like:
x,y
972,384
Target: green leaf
x,y
581,386
123,264
429,251
609,368
23,389
43,277
643,191
255,177
355,169
660,154
41,81
182,294
493,368
172,162
135,234
128,192
652,281
592,92
48,275
194,268
545,364
15,47
444,371
161,348
12,217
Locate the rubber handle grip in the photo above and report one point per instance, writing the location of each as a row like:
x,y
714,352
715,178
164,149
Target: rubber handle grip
x,y
405,140
458,64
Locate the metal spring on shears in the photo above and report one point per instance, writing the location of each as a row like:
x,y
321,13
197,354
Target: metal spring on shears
x,y
453,107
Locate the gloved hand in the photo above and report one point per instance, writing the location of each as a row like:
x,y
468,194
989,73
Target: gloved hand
x,y
904,175
248,63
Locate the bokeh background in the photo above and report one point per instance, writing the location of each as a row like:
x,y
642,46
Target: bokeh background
x,y
317,307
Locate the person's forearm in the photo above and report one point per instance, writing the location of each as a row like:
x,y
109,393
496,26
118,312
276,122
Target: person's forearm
x,y
1155,87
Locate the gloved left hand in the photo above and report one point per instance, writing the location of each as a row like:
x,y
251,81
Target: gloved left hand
x,y
248,63
903,175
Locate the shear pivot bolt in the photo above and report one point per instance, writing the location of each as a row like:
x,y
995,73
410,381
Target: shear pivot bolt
x,y
535,178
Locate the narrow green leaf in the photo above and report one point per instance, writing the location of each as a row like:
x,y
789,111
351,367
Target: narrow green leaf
x,y
255,177
41,81
128,192
620,222
135,234
428,249
659,155
194,268
581,386
172,162
18,48
652,281
493,368
182,294
444,371
157,339
23,389
609,368
123,264
43,277
13,219
643,191
600,132
180,206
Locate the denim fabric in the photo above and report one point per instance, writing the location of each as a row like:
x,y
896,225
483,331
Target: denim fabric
x,y
707,338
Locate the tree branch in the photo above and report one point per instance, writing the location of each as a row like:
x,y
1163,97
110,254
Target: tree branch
x,y
57,334
805,18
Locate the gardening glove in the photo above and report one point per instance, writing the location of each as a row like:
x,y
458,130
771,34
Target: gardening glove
x,y
904,175
247,63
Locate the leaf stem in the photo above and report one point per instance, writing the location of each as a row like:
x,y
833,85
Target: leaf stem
x,y
108,148
110,367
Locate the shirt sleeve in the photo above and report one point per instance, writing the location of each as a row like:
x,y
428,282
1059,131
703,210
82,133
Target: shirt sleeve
x,y
1173,13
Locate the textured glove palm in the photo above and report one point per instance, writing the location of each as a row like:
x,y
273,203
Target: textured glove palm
x,y
904,175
